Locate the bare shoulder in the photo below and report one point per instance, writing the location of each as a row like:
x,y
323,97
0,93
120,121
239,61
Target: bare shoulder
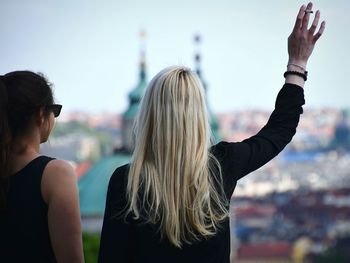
x,y
59,167
58,176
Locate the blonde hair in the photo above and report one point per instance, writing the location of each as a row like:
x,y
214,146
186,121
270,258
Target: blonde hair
x,y
173,179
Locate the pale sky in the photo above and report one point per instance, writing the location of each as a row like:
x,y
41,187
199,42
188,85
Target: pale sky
x,y
90,49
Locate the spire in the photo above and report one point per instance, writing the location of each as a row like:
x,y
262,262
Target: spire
x,y
135,97
142,55
214,123
197,55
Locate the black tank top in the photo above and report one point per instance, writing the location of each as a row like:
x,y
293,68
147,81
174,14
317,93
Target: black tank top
x,y
24,233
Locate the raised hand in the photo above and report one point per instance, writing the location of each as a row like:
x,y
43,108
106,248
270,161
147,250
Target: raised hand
x,y
302,40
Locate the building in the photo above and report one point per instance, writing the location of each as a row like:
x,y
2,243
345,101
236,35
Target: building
x,y
341,137
279,252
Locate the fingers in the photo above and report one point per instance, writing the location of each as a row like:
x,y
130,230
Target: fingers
x,y
306,18
299,19
320,32
315,23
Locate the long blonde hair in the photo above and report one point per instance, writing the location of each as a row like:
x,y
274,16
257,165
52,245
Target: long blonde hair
x,y
173,179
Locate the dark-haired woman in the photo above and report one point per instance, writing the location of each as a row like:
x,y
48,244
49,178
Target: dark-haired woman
x,y
39,206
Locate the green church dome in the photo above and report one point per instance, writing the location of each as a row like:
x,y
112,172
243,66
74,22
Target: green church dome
x,y
93,185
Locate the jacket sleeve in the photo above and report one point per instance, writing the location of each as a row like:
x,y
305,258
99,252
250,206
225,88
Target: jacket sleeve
x,y
254,152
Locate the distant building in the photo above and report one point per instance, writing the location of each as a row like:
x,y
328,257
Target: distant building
x,y
214,122
135,97
341,137
73,147
273,252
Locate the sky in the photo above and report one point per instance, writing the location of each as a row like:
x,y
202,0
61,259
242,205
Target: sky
x,y
90,50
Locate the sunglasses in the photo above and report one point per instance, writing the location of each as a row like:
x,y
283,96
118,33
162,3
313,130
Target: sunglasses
x,y
55,109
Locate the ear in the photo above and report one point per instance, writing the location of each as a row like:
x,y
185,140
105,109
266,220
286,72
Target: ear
x,y
40,117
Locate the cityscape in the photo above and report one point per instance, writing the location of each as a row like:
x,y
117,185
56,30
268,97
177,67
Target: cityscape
x,y
294,209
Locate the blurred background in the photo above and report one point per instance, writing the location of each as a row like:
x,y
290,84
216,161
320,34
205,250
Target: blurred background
x,y
100,55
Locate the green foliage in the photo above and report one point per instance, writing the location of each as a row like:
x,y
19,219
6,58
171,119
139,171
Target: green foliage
x,y
91,247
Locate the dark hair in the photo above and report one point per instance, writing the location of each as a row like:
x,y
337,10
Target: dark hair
x,y
22,94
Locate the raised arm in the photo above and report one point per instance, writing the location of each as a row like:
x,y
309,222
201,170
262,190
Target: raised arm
x,y
257,150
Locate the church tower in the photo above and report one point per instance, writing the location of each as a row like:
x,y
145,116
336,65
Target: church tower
x,y
134,99
214,123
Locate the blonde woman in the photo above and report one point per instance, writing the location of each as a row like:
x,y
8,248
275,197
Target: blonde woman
x,y
170,204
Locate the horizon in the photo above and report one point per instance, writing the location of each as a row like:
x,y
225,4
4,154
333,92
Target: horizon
x,y
263,110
